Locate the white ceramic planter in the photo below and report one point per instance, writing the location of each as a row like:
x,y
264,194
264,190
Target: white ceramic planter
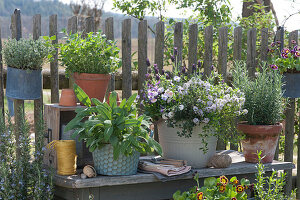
x,y
182,148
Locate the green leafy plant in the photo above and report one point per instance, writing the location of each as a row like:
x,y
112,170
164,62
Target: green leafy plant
x,y
93,54
110,123
263,94
27,54
270,187
216,189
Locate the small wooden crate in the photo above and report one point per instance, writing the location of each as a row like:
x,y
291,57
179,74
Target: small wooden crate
x,y
56,116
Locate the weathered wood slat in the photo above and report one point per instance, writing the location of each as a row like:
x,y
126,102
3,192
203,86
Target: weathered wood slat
x,y
142,54
193,41
1,78
38,103
109,32
126,59
89,25
264,44
251,52
237,45
222,53
178,43
72,25
54,64
208,50
238,167
16,31
159,45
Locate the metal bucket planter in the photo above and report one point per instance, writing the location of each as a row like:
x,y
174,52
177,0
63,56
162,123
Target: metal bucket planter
x,y
291,85
23,84
182,148
105,164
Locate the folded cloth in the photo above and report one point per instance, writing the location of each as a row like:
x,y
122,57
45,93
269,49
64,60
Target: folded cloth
x,y
167,170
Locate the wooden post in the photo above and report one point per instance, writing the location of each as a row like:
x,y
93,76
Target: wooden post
x,y
72,25
54,65
109,31
237,45
264,45
159,45
222,66
193,41
126,59
251,52
142,54
72,28
16,31
38,103
89,26
208,50
1,79
178,43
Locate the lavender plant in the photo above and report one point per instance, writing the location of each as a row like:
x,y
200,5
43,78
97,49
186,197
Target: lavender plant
x,y
22,176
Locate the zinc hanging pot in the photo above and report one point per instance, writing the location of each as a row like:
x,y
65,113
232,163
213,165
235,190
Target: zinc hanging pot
x,y
94,85
105,164
262,138
291,85
182,148
23,84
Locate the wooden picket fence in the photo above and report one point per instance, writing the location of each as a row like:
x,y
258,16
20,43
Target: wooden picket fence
x,y
158,59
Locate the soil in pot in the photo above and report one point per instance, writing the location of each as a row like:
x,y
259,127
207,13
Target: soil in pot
x,y
262,138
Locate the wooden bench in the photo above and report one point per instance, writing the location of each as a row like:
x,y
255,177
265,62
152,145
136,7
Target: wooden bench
x,y
147,186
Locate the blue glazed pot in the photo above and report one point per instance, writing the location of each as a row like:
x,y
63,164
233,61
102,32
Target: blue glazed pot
x,y
291,87
23,84
105,164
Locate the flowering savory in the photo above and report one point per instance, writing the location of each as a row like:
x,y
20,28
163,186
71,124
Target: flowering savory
x,y
185,101
286,60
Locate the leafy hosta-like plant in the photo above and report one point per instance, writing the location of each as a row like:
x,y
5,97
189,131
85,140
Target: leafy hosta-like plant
x,y
216,189
109,123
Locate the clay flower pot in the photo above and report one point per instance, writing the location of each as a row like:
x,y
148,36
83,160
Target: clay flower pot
x,y
94,85
118,99
67,98
262,138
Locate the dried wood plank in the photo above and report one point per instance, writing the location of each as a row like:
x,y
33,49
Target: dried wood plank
x,y
222,53
159,45
264,44
193,40
54,64
178,42
251,52
208,50
38,103
142,54
72,25
16,31
126,59
237,45
89,25
1,78
109,32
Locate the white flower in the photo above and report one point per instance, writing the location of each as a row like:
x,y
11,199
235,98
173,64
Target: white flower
x,y
205,120
195,108
195,120
210,97
209,103
176,78
200,112
181,107
155,94
164,116
245,111
153,100
161,90
164,97
169,93
170,114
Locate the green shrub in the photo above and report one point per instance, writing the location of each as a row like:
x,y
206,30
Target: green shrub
x,y
93,54
27,53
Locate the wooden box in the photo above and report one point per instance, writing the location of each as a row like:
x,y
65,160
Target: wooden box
x,y
56,117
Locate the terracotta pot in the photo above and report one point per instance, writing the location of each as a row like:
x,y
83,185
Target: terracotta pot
x,y
262,138
94,85
67,98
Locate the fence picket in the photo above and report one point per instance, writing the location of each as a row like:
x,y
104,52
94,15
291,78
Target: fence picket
x,y
142,54
237,44
109,32
208,50
126,59
159,45
72,25
178,37
251,52
264,44
1,78
193,41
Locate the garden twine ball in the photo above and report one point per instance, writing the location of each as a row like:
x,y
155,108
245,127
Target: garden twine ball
x,y
89,171
219,161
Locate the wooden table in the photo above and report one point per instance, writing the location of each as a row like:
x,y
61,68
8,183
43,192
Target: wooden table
x,y
147,186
